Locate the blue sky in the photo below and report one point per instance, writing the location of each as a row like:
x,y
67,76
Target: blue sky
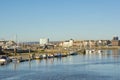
x,y
31,20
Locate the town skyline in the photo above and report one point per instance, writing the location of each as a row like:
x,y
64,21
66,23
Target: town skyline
x,y
59,19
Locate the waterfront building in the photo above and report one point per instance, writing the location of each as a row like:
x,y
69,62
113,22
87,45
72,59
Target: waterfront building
x,y
85,43
7,44
92,43
95,43
115,41
76,43
68,43
44,41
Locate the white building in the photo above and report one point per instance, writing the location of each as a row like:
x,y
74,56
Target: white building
x,y
44,41
68,43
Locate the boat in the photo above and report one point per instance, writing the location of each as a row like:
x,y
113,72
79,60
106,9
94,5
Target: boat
x,y
50,55
4,60
73,53
57,55
37,57
43,56
91,51
19,59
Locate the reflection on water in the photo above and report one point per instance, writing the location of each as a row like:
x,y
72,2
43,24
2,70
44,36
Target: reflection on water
x,y
104,66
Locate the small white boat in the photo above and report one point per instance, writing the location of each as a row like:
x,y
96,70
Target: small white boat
x,y
42,56
50,55
93,51
37,57
4,60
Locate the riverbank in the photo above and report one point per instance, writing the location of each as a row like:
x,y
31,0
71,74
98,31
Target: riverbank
x,y
51,53
108,47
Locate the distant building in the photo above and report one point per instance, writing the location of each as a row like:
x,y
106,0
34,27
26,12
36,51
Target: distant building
x,y
68,43
95,43
77,43
7,44
115,42
44,41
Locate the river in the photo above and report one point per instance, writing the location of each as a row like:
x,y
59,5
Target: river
x,y
105,66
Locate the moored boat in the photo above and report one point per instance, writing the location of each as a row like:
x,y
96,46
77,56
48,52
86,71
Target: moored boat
x,y
43,56
4,60
57,55
50,56
73,53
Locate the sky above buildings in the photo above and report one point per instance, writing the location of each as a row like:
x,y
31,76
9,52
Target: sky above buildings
x,y
31,20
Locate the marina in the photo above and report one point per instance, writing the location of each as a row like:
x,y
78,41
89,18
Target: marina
x,y
77,67
28,57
